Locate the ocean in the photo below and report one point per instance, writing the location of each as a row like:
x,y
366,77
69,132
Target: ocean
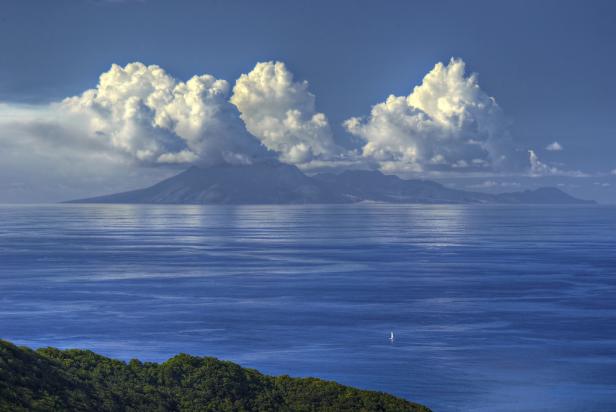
x,y
493,308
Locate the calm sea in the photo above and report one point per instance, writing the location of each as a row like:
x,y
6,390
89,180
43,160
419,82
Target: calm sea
x,y
493,308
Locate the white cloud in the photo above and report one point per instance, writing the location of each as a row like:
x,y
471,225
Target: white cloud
x,y
445,123
145,113
281,113
554,147
538,168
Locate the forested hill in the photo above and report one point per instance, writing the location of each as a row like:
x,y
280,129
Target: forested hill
x,y
76,380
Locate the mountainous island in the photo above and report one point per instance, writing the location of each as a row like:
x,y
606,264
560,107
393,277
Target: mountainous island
x,y
272,182
77,380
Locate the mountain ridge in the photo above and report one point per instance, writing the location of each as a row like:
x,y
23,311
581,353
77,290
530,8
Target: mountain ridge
x,y
273,182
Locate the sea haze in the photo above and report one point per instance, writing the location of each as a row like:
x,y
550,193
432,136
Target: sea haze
x,y
494,307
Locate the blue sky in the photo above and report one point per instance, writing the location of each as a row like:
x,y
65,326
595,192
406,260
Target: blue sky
x,y
548,65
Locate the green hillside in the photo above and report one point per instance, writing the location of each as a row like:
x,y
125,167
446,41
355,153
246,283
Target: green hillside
x,y
77,380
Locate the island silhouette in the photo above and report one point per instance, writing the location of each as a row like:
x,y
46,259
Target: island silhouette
x,y
273,182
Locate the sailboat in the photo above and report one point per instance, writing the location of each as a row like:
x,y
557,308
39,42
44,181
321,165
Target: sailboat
x,y
391,336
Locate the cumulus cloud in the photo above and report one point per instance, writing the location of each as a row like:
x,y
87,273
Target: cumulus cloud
x,y
447,123
554,147
539,168
281,113
148,115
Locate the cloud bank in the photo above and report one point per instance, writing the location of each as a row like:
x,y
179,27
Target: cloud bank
x,y
140,117
133,128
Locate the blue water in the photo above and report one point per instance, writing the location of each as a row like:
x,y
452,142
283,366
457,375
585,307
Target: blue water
x,y
494,308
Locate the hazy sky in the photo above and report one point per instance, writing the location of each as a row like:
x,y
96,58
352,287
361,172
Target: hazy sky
x,y
358,84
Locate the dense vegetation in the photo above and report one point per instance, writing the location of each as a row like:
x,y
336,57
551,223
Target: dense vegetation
x,y
77,380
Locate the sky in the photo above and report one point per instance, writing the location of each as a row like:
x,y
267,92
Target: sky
x,y
101,96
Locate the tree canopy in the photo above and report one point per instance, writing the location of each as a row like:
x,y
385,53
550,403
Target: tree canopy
x,y
79,380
